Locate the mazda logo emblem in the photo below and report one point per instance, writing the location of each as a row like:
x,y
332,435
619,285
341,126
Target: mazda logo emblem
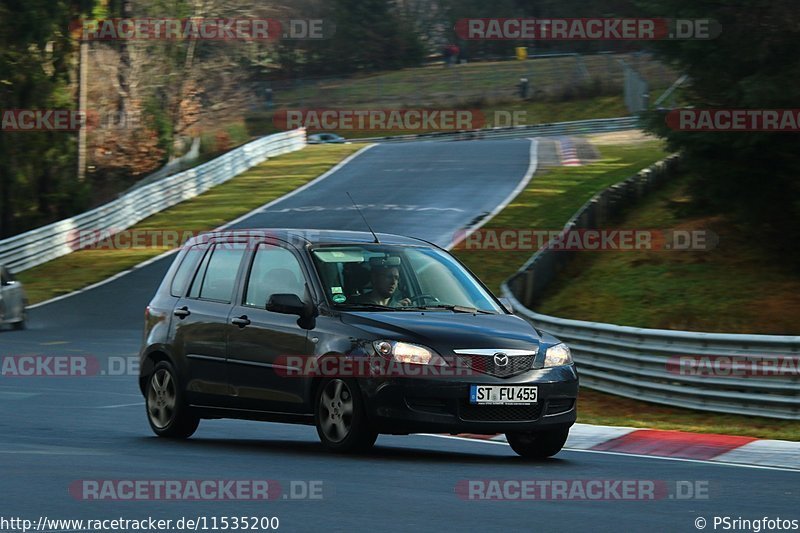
x,y
500,359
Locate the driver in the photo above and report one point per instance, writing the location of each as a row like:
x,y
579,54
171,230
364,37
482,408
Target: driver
x,y
385,278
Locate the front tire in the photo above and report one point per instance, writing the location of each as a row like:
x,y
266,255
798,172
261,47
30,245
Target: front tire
x,y
540,444
167,412
340,417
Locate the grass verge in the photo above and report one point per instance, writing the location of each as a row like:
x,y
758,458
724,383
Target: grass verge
x,y
244,193
548,202
608,410
550,199
552,79
737,286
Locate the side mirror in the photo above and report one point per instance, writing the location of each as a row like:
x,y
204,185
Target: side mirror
x,y
507,305
288,304
291,304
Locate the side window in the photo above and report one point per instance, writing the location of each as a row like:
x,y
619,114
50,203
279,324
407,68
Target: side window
x,y
186,269
275,270
198,277
216,278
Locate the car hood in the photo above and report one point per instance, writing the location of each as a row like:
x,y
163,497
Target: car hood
x,y
446,331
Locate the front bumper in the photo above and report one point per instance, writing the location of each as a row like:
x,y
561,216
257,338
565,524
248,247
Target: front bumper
x,y
441,405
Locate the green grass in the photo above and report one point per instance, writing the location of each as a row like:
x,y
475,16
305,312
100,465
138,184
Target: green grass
x,y
547,203
560,91
492,115
608,410
736,287
551,198
550,78
244,193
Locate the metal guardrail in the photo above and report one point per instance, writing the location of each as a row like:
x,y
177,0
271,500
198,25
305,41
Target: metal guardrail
x,y
40,245
646,364
577,127
173,167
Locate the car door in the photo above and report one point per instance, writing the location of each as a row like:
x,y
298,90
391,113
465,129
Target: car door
x,y
261,340
199,324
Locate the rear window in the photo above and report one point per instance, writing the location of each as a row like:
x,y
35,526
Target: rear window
x,y
186,269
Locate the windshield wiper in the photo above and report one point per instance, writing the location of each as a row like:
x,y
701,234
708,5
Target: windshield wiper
x,y
450,307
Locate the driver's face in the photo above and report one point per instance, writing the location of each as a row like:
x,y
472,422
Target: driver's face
x,y
385,281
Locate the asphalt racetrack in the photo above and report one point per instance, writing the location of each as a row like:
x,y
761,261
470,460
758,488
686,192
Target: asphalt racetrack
x,y
60,430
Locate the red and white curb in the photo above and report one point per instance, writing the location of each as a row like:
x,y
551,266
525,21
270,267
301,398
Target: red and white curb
x,y
567,152
730,449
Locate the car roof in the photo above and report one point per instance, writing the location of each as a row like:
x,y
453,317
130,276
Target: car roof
x,y
311,236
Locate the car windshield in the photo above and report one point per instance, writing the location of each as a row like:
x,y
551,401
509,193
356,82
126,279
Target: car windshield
x,y
385,277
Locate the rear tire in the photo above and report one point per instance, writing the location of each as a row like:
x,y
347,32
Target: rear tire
x,y
340,417
538,445
23,323
167,412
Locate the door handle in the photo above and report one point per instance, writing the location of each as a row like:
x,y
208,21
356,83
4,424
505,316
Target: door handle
x,y
241,321
182,312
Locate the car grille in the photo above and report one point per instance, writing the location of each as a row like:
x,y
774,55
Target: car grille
x,y
485,364
499,413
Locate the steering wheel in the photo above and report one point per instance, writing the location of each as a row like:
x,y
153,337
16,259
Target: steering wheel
x,y
419,299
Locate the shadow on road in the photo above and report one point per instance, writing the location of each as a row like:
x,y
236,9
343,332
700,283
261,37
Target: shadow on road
x,y
488,454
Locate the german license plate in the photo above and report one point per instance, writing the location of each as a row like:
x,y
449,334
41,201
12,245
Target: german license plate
x,y
503,394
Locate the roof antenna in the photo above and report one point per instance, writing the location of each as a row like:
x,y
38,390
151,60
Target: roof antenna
x,y
363,217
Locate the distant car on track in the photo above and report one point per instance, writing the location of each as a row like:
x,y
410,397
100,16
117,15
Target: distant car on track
x,y
13,301
354,333
326,138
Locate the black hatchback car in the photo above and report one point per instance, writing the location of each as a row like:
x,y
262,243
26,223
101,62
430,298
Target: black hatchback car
x,y
354,333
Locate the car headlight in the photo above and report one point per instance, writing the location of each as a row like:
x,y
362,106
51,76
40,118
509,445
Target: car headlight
x,y
557,355
403,352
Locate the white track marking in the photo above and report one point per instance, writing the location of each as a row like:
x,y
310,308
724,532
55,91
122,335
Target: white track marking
x,y
224,226
532,166
119,405
301,188
105,281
